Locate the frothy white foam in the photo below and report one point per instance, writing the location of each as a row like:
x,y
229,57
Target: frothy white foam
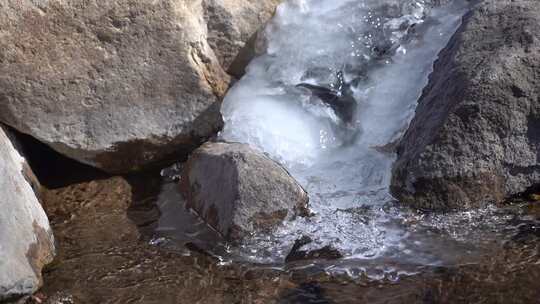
x,y
386,51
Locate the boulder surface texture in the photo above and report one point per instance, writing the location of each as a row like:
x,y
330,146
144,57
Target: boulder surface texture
x,y
26,240
238,190
120,84
475,138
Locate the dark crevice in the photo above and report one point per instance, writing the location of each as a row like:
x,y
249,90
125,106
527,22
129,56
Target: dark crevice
x,y
518,92
53,169
144,211
529,170
526,195
533,129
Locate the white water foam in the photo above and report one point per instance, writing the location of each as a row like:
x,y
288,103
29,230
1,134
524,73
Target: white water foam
x,y
386,49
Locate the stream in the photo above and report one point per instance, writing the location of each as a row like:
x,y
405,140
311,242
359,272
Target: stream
x,y
377,57
328,99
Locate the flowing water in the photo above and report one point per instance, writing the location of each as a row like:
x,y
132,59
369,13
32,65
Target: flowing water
x,y
377,54
386,50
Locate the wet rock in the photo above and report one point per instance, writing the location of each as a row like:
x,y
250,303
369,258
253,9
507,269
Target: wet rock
x,y
26,239
122,84
475,138
238,190
325,253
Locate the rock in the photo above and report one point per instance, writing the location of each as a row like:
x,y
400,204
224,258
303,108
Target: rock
x,y
325,253
233,24
475,138
255,46
26,239
120,84
238,190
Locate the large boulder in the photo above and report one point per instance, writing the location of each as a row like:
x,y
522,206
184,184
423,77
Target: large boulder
x,y
26,240
475,138
120,84
238,190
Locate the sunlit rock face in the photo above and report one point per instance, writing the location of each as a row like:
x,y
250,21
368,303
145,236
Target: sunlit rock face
x,y
120,85
475,137
26,240
319,55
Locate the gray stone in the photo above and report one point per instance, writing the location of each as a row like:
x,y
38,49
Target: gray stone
x,y
26,239
238,190
475,138
120,84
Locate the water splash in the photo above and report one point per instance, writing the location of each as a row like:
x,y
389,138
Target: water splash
x,y
385,51
311,42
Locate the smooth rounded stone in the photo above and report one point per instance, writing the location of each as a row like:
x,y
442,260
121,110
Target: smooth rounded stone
x,y
26,239
238,190
475,138
120,84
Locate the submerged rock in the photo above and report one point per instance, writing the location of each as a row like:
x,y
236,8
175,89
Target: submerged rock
x,y
238,190
326,252
120,84
475,138
26,239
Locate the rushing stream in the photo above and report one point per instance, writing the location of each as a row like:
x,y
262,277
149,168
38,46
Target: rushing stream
x,y
372,58
385,50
